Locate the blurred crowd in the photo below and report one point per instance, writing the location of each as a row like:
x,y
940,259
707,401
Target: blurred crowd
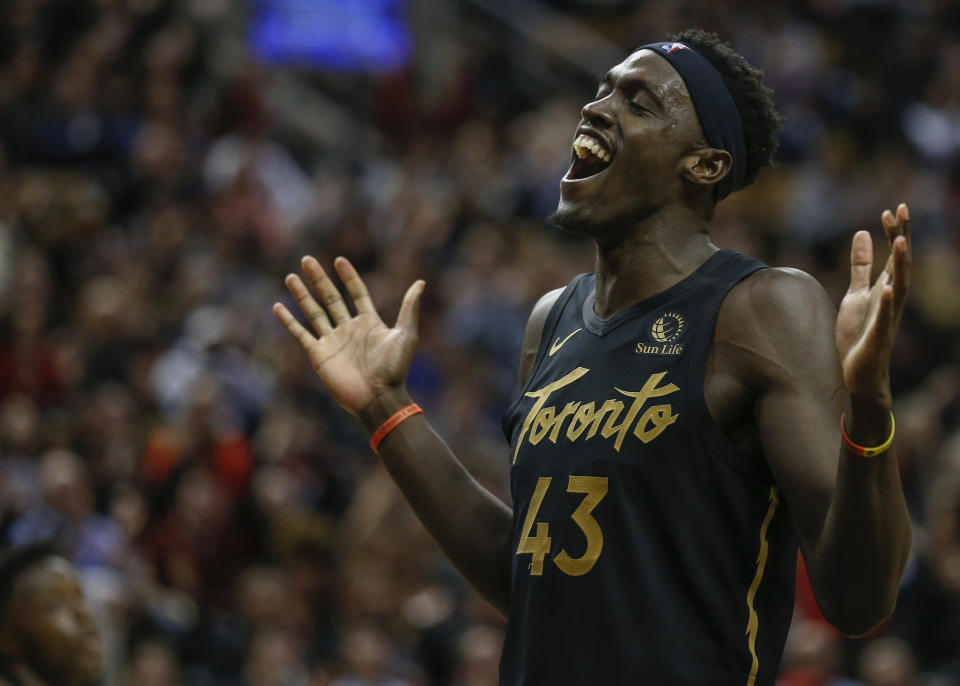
x,y
229,521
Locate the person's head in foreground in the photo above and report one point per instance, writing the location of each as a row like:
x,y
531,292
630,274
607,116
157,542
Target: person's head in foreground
x,y
674,128
47,635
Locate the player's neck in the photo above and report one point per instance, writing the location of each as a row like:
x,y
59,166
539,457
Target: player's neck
x,y
655,255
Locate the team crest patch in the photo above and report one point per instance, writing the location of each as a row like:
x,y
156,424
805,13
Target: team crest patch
x,y
664,334
673,47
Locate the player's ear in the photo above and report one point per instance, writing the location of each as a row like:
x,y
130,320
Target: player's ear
x,y
706,166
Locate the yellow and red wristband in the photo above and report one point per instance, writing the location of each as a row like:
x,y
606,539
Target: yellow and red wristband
x,y
863,451
397,418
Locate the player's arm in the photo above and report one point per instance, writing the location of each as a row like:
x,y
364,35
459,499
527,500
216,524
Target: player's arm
x,y
809,364
363,364
534,332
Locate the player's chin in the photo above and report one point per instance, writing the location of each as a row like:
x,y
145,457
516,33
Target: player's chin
x,y
583,210
572,218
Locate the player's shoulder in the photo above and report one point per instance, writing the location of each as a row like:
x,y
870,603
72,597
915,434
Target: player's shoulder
x,y
538,315
534,332
778,296
776,321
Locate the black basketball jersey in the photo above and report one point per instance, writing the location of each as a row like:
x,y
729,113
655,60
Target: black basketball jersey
x,y
648,551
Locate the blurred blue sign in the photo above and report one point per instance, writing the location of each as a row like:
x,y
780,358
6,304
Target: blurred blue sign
x,y
344,35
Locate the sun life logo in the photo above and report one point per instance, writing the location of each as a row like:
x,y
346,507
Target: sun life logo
x,y
668,327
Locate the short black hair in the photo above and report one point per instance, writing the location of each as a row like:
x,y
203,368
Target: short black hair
x,y
15,561
754,100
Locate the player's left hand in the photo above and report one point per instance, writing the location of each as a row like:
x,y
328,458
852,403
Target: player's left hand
x,y
870,314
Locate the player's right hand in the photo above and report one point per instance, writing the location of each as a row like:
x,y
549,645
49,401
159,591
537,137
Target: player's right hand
x,y
358,358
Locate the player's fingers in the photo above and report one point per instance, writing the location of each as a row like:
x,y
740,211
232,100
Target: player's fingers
x,y
355,286
309,307
296,330
890,225
329,294
861,260
903,218
901,272
887,271
885,313
409,314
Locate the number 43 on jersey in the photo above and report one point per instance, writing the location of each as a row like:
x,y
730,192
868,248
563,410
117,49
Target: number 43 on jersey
x,y
594,488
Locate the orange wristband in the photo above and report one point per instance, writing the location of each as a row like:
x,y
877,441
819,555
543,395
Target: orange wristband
x,y
395,420
863,451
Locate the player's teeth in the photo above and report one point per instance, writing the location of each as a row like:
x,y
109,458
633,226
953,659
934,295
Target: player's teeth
x,y
585,144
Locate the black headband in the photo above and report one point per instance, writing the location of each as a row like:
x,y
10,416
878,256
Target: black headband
x,y
714,105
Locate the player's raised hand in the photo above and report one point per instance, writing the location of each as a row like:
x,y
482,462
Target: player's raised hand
x,y
870,313
357,357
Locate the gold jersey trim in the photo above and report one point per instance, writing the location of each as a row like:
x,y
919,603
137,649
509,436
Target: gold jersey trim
x,y
753,622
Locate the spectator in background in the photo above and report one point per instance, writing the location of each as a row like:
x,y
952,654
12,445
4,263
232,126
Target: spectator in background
x,y
67,513
368,660
154,663
478,657
47,634
888,662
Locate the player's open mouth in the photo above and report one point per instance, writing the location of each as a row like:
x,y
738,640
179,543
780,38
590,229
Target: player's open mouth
x,y
590,157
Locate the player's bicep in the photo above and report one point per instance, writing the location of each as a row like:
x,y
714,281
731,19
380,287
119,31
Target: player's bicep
x,y
800,397
534,332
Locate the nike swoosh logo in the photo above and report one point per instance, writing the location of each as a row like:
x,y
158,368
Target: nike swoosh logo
x,y
559,344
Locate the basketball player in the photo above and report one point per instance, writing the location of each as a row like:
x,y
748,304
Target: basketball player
x,y
678,431
47,635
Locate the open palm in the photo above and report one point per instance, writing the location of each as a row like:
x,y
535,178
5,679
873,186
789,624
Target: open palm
x,y
870,313
358,357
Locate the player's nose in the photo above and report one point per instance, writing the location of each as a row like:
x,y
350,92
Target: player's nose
x,y
596,112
